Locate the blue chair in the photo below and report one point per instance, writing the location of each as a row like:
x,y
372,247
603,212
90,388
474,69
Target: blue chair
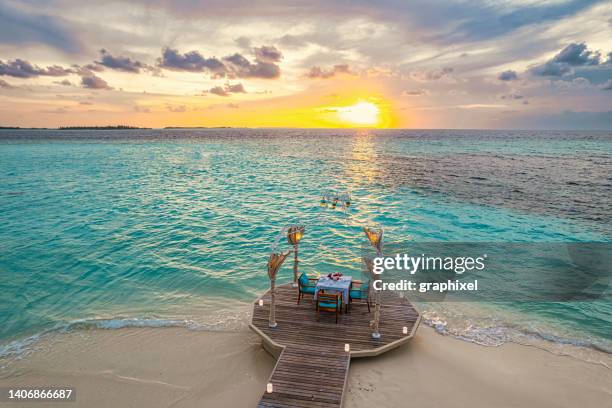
x,y
306,286
330,302
360,290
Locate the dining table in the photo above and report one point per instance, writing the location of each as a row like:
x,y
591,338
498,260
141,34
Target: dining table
x,y
342,285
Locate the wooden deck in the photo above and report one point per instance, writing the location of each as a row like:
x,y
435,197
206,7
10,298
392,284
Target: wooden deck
x,y
312,366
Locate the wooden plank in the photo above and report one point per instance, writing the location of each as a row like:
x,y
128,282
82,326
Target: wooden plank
x,y
312,368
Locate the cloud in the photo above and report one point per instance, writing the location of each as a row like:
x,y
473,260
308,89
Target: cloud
x,y
26,27
240,67
226,90
512,95
191,61
218,90
4,84
231,66
573,55
177,109
438,73
508,75
606,86
63,82
486,21
414,92
577,54
431,75
318,72
119,63
268,54
94,82
23,69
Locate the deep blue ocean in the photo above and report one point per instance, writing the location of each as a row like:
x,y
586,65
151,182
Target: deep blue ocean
x,y
173,227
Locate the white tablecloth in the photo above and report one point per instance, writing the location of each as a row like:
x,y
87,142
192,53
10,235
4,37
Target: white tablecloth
x,y
329,285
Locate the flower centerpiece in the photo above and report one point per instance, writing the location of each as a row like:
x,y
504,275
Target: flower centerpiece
x,y
334,276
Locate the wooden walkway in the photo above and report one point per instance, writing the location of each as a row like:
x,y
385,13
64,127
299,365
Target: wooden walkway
x,y
312,366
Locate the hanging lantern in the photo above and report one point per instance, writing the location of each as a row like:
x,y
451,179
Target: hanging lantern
x,y
375,237
294,236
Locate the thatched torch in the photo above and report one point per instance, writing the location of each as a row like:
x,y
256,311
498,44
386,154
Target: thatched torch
x,y
274,264
294,235
375,237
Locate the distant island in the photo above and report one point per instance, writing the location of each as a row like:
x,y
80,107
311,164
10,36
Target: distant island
x,y
18,128
118,127
199,127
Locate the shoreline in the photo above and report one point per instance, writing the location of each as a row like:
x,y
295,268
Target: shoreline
x,y
178,367
21,347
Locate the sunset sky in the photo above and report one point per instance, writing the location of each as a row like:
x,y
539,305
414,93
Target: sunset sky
x,y
389,63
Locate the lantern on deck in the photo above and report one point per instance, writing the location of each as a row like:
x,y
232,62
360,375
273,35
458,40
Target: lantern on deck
x,y
294,235
375,237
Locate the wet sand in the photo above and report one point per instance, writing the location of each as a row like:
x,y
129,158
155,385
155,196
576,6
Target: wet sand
x,y
175,367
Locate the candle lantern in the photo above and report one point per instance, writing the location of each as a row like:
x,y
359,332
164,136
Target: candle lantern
x,y
375,237
294,236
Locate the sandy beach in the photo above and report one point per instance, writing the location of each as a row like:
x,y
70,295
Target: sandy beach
x,y
173,367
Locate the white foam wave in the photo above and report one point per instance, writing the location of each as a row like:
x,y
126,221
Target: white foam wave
x,y
499,334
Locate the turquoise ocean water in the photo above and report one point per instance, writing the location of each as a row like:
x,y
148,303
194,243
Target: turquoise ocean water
x,y
173,227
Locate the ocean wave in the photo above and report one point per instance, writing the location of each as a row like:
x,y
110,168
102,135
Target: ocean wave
x,y
499,334
227,321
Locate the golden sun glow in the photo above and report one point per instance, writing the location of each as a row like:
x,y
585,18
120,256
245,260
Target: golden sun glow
x,y
360,114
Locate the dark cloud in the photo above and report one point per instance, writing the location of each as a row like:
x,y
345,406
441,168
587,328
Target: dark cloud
x,y
218,90
509,75
551,68
512,95
4,84
414,92
63,82
119,63
240,67
573,56
438,73
236,88
94,82
20,28
267,54
226,90
577,54
191,61
87,70
318,72
24,69
232,66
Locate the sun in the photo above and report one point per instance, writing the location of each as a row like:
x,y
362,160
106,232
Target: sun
x,y
360,114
